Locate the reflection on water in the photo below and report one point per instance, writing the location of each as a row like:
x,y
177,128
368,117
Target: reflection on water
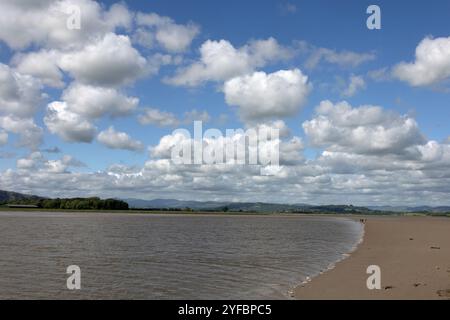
x,y
165,257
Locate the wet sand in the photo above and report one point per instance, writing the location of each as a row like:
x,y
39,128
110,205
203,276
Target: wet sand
x,y
412,252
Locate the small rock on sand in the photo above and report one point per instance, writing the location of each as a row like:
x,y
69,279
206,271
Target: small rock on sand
x,y
419,284
444,293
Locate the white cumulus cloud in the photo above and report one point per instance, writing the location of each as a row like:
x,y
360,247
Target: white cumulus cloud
x,y
431,66
68,125
41,65
264,96
95,102
30,133
365,130
355,84
220,61
44,23
119,140
20,95
112,61
170,35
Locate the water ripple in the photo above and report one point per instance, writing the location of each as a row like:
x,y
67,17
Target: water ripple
x,y
166,257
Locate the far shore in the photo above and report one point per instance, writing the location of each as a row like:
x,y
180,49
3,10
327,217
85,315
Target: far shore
x,y
413,254
167,212
233,213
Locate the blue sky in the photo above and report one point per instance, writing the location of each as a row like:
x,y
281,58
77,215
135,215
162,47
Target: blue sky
x,y
301,32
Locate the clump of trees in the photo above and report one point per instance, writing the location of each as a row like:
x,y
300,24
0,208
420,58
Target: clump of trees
x,y
77,204
83,204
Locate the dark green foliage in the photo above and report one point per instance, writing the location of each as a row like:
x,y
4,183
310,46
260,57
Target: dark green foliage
x,y
76,204
83,204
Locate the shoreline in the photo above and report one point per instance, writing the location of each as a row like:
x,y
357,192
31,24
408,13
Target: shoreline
x,y
413,254
331,266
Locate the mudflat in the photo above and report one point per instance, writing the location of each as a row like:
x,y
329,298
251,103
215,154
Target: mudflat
x,y
413,254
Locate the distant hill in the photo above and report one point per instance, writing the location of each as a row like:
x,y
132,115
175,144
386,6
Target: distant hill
x,y
207,205
261,207
242,206
173,204
166,204
212,205
418,209
8,196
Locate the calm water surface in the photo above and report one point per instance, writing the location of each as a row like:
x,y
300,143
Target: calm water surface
x,y
124,256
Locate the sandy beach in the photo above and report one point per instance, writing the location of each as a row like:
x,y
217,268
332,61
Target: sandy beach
x,y
412,252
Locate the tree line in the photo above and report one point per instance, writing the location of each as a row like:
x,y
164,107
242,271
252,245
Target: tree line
x,y
93,203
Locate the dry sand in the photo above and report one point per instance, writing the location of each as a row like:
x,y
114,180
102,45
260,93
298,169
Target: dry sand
x,y
412,252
